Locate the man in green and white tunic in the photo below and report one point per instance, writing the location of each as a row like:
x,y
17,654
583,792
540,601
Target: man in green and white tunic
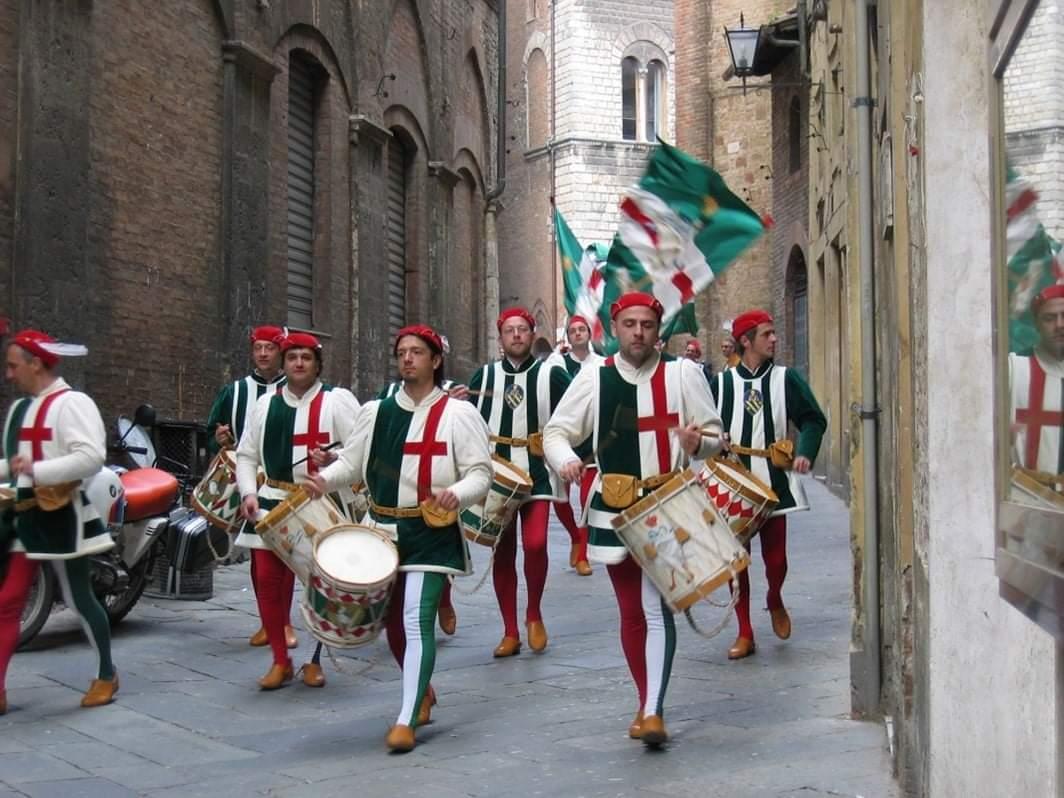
x,y
54,439
758,400
646,417
285,436
516,395
424,458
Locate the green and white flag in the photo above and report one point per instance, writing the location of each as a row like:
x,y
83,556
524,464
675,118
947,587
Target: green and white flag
x,y
581,275
680,227
683,322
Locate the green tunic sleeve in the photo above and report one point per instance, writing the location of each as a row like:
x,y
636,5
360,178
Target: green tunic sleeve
x,y
476,382
559,381
221,413
804,412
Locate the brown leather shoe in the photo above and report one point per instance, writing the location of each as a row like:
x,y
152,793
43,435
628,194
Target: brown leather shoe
x,y
290,638
537,636
3,702
653,732
574,555
277,676
508,647
400,739
101,692
583,568
742,647
424,713
781,622
635,731
259,638
313,675
448,620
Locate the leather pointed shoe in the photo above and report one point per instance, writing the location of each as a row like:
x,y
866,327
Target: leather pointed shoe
x,y
781,622
424,713
508,647
400,739
259,638
277,676
448,620
653,732
290,638
742,647
635,731
313,675
537,636
583,568
101,692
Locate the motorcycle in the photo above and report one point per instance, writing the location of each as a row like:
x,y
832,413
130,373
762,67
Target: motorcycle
x,y
136,505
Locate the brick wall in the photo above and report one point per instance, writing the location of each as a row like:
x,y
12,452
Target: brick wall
x,y
8,106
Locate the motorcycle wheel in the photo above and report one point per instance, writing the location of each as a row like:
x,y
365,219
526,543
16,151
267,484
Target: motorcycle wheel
x,y
118,605
38,606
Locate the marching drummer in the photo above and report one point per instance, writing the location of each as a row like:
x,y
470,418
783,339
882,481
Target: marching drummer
x,y
516,395
230,411
424,457
286,436
646,416
758,400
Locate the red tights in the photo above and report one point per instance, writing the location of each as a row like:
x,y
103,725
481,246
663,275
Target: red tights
x,y
273,582
534,516
13,593
773,537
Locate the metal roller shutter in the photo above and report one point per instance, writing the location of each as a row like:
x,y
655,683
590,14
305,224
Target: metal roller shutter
x,y
300,193
396,237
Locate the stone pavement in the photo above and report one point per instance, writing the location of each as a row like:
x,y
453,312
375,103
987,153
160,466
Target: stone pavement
x,y
189,720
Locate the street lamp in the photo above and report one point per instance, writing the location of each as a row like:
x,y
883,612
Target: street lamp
x,y
742,44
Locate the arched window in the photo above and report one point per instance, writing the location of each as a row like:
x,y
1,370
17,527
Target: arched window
x,y
537,99
629,78
655,100
794,134
304,75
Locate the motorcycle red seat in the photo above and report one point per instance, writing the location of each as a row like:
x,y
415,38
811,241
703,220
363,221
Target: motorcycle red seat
x,y
149,491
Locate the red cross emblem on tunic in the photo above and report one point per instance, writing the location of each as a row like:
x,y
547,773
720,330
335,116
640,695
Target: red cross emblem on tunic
x,y
1036,416
426,449
38,433
313,437
662,421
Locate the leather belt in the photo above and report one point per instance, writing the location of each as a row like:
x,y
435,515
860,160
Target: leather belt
x,y
282,485
395,512
24,505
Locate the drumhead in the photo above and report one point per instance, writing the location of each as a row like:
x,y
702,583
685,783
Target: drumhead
x,y
356,555
509,474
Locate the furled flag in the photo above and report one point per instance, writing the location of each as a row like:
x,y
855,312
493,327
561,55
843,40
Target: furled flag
x,y
680,227
683,322
582,274
1033,258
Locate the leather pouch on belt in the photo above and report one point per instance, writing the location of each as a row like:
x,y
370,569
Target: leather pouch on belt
x,y
619,490
435,516
54,497
535,444
781,454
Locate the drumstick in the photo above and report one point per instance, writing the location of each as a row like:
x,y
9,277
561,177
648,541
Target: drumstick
x,y
482,393
324,448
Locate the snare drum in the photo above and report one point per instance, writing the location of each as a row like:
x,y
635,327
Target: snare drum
x,y
743,500
680,542
346,600
216,497
289,529
483,523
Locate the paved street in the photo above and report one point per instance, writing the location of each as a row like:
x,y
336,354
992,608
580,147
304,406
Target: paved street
x,y
190,721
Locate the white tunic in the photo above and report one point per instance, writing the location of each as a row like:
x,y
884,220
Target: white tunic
x,y
1045,420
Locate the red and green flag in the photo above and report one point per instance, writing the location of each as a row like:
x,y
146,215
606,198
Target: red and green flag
x,y
581,275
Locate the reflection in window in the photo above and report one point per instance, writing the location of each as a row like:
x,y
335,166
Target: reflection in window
x,y
654,99
629,73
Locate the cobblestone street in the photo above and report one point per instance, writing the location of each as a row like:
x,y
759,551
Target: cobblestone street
x,y
190,721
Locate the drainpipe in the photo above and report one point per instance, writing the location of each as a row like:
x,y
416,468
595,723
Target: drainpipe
x,y
553,168
869,691
491,240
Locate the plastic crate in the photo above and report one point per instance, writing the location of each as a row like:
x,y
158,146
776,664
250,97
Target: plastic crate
x,y
181,449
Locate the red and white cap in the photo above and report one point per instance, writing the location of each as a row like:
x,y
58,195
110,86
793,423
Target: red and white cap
x,y
42,345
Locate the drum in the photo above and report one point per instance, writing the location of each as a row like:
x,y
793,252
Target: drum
x,y
681,543
289,529
741,499
483,523
346,600
216,497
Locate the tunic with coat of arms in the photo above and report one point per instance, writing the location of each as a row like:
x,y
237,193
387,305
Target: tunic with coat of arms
x,y
234,403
